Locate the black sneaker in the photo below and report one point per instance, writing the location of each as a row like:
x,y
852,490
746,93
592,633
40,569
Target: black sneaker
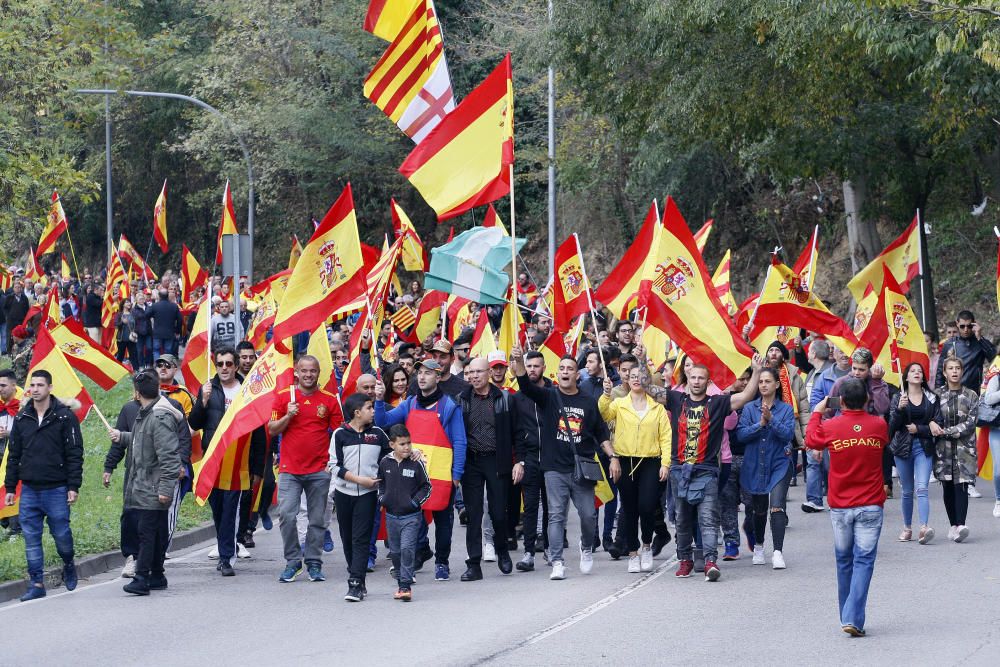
x,y
69,576
473,573
248,540
157,582
463,517
423,555
225,569
354,591
137,586
660,540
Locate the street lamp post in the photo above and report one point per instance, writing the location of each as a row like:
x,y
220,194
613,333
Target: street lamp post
x,y
225,121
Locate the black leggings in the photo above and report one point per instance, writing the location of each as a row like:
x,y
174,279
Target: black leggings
x,y
772,503
639,494
956,502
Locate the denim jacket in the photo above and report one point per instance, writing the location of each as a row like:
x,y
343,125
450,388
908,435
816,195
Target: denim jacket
x,y
766,460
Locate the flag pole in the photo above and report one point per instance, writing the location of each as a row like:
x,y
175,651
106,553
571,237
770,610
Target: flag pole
x,y
590,300
101,415
513,249
72,253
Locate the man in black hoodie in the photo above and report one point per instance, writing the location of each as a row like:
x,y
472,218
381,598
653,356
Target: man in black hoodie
x,y
527,457
46,457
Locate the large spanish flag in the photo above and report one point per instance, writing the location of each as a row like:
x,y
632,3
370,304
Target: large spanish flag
x,y
55,225
682,302
902,257
571,296
906,338
34,270
329,276
228,223
87,357
386,18
192,276
160,219
427,435
196,365
464,162
224,464
618,290
65,384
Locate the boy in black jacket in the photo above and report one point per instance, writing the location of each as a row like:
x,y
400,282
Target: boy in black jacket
x,y
403,487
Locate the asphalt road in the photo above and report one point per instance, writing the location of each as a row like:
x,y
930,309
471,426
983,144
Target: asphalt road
x,y
937,604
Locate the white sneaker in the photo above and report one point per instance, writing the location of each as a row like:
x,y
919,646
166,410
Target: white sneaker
x,y
646,559
166,555
489,553
996,510
242,551
758,554
777,561
961,534
586,560
952,532
633,565
973,493
129,570
558,571
214,553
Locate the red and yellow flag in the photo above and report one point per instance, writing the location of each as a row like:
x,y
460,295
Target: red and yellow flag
x,y
459,316
296,253
55,225
362,332
998,268
131,256
553,348
52,313
983,454
893,334
386,18
319,347
87,357
6,510
491,219
160,219
196,365
722,285
483,341
328,278
620,287
414,253
410,82
224,464
48,356
193,276
228,223
403,319
701,236
6,279
64,270
464,162
116,287
34,270
902,257
682,302
429,314
571,296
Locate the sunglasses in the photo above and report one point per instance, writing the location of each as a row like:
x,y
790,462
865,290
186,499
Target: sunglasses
x,y
225,364
165,364
966,326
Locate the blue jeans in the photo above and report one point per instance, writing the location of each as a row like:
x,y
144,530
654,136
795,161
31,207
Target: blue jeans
x,y
35,506
164,346
443,522
915,471
144,346
815,475
855,543
561,490
995,453
403,532
703,517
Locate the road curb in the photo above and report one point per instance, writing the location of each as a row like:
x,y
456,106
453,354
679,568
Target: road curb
x,y
95,564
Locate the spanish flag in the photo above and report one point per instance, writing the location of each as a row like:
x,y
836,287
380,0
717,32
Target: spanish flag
x,y
902,257
512,327
86,357
196,365
362,332
701,236
414,254
224,464
34,269
553,349
55,225
160,219
682,302
129,254
64,270
296,252
983,454
722,285
386,18
621,286
52,313
48,356
464,162
6,280
459,316
228,223
319,347
193,276
571,296
491,219
483,341
328,277
6,510
429,315
893,334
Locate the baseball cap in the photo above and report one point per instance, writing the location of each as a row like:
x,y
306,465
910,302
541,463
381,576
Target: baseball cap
x,y
497,358
442,346
431,365
169,358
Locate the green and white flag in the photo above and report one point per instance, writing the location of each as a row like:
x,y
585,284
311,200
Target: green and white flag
x,y
472,265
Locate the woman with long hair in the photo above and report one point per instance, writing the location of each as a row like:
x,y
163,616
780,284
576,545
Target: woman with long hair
x,y
125,335
398,381
912,446
767,427
956,465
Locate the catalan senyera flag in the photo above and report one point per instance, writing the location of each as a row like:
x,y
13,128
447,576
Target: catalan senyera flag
x,y
464,161
112,296
64,270
6,279
386,18
48,356
131,256
902,256
701,236
414,254
228,223
682,302
55,225
906,339
160,219
410,82
404,318
622,284
195,366
329,276
377,282
224,464
429,314
295,253
268,294
87,357
571,296
787,301
193,276
722,285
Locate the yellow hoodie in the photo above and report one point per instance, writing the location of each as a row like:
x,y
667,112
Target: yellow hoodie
x,y
646,436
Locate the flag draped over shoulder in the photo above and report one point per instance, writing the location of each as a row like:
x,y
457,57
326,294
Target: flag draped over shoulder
x,y
228,223
328,277
472,265
221,465
65,384
193,276
621,286
464,162
87,357
160,220
682,302
902,257
570,289
55,225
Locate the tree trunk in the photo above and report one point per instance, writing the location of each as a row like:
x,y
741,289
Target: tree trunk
x,y
862,236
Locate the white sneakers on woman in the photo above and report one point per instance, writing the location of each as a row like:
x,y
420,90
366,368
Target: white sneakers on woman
x,y
996,510
633,565
777,561
758,554
646,559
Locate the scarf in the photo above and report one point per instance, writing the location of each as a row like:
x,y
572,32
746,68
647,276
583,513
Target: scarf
x,y
11,407
786,389
426,402
169,388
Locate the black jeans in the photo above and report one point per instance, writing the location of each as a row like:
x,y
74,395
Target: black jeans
x,y
481,474
956,502
225,515
533,490
639,494
130,533
152,528
355,516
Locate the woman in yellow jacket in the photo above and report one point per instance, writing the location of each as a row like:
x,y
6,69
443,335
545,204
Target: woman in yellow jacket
x,y
641,462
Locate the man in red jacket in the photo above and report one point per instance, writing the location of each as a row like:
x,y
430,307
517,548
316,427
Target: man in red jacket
x,y
856,495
